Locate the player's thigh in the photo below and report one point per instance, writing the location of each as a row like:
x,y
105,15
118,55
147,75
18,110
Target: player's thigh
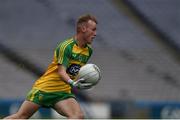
x,y
27,109
68,107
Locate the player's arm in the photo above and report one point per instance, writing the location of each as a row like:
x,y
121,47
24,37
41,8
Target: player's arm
x,y
62,72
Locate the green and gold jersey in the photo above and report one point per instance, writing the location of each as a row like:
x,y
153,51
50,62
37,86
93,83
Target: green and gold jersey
x,y
72,58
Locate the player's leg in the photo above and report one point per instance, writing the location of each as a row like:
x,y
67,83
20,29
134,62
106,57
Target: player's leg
x,y
69,108
26,110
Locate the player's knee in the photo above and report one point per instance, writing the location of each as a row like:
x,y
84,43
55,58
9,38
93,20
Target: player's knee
x,y
16,116
23,115
78,115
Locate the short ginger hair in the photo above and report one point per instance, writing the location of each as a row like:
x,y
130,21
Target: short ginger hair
x,y
84,19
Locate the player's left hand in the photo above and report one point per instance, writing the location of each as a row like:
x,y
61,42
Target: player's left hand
x,y
80,84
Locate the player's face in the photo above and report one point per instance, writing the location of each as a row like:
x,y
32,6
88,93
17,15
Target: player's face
x,y
90,32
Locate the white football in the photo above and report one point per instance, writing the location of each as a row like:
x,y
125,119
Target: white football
x,y
91,73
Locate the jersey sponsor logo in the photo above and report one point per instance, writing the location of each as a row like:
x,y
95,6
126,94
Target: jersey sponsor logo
x,y
73,69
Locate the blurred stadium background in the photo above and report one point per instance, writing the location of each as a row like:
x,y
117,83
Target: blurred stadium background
x,y
137,49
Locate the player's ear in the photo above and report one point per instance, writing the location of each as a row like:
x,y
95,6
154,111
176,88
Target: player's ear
x,y
83,28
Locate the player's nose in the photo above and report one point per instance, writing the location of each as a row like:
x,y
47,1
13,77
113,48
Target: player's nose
x,y
95,33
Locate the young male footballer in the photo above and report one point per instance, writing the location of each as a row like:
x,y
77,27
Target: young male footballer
x,y
53,88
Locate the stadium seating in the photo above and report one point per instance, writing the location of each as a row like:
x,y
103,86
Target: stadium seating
x,y
163,13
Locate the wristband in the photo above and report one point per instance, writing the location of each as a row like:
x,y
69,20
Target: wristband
x,y
70,82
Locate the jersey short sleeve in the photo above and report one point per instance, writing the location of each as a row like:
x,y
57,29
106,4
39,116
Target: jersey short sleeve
x,y
62,54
